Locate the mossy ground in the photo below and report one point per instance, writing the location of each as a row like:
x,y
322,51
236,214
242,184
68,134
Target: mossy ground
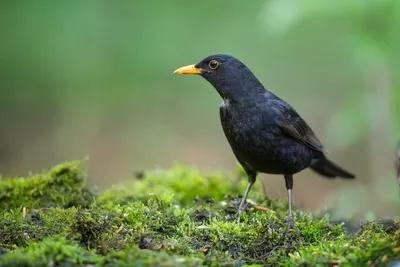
x,y
174,217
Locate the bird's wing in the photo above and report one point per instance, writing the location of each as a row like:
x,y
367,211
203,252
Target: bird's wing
x,y
290,122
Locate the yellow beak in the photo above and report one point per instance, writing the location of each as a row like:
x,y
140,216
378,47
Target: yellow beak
x,y
190,69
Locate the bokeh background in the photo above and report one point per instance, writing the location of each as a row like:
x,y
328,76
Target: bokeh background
x,y
94,78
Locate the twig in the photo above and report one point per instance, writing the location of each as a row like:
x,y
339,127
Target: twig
x,y
259,208
24,213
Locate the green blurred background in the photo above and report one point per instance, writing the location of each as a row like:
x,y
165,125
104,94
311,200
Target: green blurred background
x,y
95,78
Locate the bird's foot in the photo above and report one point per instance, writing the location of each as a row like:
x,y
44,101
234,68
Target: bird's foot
x,y
289,222
242,207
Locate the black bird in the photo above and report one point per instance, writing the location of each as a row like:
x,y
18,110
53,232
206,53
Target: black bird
x,y
265,133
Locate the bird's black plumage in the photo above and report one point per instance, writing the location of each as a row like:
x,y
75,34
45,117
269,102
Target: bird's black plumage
x,y
265,133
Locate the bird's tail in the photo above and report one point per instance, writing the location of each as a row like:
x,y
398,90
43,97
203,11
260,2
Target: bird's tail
x,y
329,169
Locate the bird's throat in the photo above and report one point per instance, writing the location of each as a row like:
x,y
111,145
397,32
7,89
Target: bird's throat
x,y
225,102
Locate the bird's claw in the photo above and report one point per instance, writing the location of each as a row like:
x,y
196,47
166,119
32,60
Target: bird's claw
x,y
242,207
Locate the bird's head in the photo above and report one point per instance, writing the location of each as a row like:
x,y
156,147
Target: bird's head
x,y
229,76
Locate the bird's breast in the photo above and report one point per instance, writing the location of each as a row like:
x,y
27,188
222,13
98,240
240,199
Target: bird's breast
x,y
258,141
247,129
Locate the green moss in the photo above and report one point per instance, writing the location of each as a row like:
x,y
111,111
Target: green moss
x,y
58,251
53,251
370,246
141,224
186,184
63,186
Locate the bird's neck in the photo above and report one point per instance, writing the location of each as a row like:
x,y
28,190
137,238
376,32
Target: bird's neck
x,y
239,92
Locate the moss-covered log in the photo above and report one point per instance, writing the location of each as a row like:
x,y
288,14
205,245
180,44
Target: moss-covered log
x,y
174,217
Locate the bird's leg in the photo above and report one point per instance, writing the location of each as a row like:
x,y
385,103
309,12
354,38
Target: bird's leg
x,y
243,204
289,187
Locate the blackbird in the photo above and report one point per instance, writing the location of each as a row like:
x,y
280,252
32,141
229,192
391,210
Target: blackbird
x,y
265,133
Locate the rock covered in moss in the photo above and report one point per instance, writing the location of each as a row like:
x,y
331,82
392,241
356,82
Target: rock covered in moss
x,y
158,222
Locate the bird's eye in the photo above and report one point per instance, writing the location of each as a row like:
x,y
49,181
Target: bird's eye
x,y
213,64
